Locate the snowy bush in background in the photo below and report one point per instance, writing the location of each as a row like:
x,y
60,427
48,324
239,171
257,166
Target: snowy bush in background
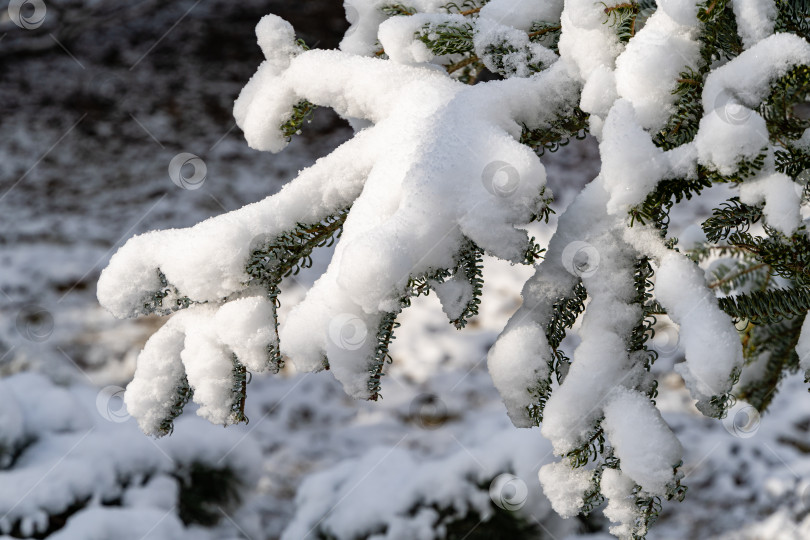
x,y
72,467
686,99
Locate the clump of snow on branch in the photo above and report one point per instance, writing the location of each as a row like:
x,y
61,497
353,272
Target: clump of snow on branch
x,y
438,167
565,487
755,19
681,289
398,205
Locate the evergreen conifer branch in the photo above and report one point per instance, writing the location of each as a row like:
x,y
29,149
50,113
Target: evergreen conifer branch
x,y
184,393
730,217
466,8
240,377
776,344
565,312
623,18
301,114
167,293
392,10
792,17
772,306
787,92
284,256
760,264
384,336
446,38
558,133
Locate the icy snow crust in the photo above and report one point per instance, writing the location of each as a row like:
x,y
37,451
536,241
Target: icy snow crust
x,y
415,180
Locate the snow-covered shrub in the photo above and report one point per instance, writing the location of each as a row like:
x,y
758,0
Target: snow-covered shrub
x,y
462,494
72,466
686,99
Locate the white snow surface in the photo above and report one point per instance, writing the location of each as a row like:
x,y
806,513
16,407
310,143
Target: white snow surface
x,y
782,200
565,487
648,461
621,508
708,336
803,347
755,19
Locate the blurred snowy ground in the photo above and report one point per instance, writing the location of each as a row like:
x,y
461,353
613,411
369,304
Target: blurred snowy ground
x,y
93,106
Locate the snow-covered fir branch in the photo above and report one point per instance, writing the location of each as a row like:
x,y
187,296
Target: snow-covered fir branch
x,y
682,95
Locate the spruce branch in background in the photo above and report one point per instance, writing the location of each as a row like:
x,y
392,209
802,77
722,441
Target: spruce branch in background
x,y
684,97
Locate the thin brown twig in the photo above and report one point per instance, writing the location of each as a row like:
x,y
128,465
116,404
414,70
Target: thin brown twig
x,y
735,276
611,9
710,8
544,31
458,65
